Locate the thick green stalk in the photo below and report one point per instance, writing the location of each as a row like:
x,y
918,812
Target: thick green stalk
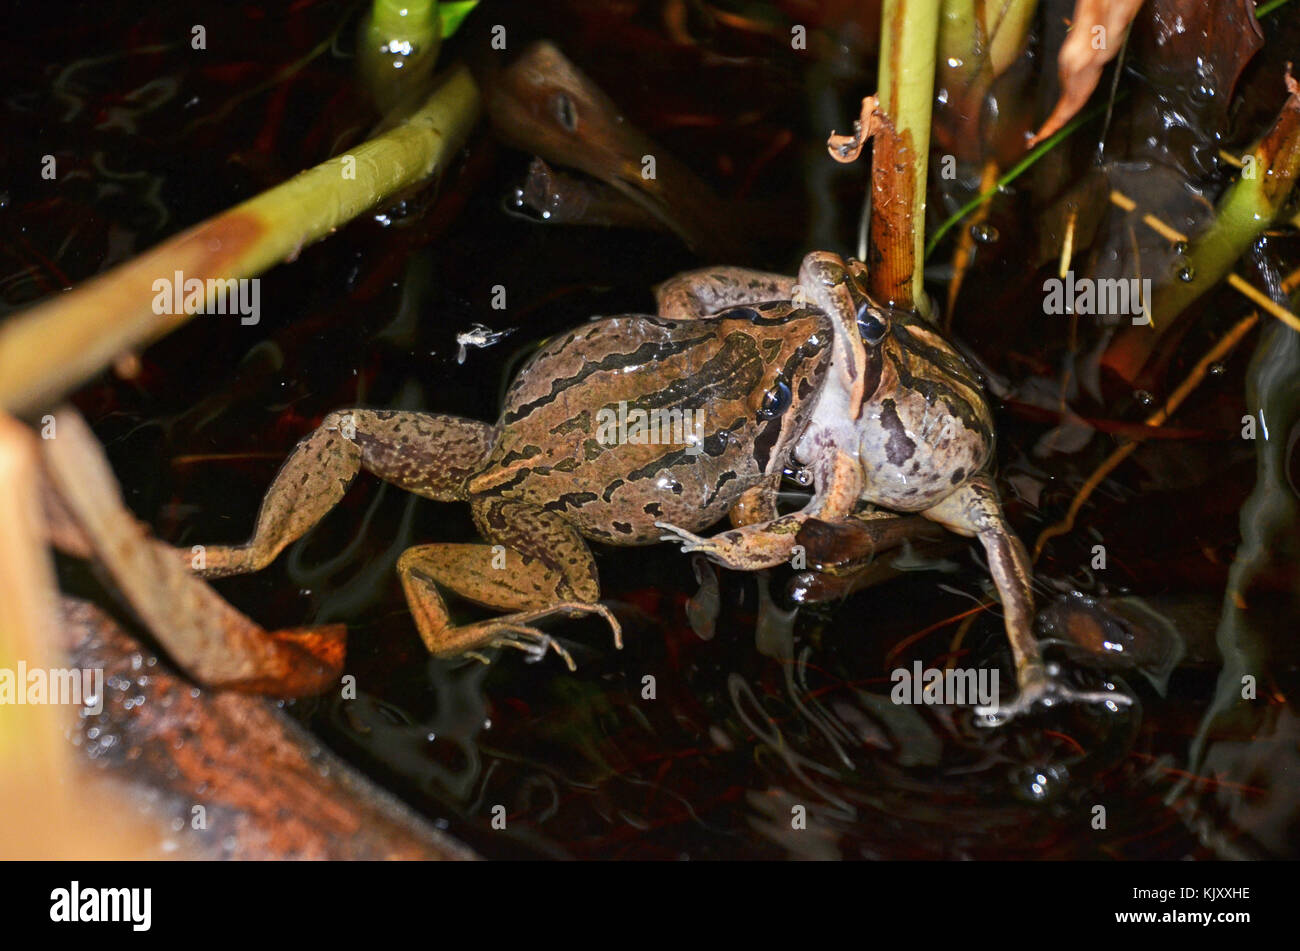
x,y
900,151
397,48
1245,210
57,345
979,41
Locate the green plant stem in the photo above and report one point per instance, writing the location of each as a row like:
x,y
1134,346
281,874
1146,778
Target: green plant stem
x,y
1013,173
59,344
1248,207
909,45
397,48
1268,8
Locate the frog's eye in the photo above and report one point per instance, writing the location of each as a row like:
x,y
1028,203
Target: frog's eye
x,y
775,401
871,324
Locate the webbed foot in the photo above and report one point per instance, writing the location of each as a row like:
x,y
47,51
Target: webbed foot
x,y
1042,688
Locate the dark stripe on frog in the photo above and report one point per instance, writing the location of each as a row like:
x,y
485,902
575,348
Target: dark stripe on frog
x,y
900,446
871,376
518,455
580,423
714,445
770,431
936,391
937,353
570,500
723,479
800,314
646,353
730,374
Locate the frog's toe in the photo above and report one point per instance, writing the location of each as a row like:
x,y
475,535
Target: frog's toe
x,y
1041,689
531,641
688,540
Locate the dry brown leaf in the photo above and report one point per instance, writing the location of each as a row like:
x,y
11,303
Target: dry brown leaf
x,y
1080,62
847,148
210,640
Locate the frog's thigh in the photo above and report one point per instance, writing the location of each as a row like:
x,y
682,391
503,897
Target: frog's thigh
x,y
425,453
974,509
542,536
709,290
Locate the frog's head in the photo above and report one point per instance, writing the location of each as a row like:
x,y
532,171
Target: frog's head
x,y
895,383
838,288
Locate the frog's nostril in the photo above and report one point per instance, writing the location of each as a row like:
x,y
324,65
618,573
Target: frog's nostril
x,y
871,324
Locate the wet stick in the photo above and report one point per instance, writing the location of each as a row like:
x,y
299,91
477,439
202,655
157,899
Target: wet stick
x,y
58,345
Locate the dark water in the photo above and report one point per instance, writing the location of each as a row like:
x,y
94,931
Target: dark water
x,y
781,713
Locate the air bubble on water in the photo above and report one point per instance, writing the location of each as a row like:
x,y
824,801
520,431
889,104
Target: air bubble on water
x,y
1217,369
1039,783
954,62
1187,274
1180,248
1143,397
984,233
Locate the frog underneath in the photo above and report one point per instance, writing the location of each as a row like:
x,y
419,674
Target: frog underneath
x,y
741,374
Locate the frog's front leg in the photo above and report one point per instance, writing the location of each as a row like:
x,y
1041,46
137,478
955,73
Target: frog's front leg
x,y
838,484
706,291
974,510
540,567
757,503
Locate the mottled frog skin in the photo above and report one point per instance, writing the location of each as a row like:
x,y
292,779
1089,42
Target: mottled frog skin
x,y
747,373
771,370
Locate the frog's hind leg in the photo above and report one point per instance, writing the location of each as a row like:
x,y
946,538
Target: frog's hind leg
x,y
425,453
540,567
694,294
975,510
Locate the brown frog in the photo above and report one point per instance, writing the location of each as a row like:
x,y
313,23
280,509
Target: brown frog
x,y
633,429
